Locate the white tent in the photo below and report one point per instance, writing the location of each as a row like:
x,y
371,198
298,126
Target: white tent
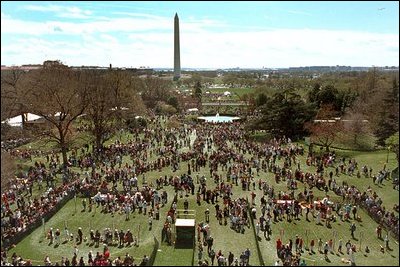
x,y
193,110
17,120
226,93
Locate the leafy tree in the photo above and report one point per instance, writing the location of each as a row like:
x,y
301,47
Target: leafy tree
x,y
344,99
197,91
261,99
388,114
313,94
173,101
285,115
327,95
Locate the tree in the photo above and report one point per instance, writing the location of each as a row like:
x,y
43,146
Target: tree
x,y
325,131
261,99
153,90
388,115
313,94
100,110
173,101
165,109
285,115
197,91
327,95
392,144
356,126
11,88
112,97
59,95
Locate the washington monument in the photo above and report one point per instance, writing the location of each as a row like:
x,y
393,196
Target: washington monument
x,y
177,56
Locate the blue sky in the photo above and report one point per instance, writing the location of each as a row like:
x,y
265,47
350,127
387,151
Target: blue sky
x,y
213,34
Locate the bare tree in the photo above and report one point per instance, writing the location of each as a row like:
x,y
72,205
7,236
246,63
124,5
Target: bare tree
x,y
325,129
11,87
59,95
111,95
153,90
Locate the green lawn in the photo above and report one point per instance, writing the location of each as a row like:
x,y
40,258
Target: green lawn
x,y
94,220
236,93
36,248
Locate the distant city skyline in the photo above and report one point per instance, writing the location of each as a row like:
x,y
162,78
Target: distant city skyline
x,y
212,34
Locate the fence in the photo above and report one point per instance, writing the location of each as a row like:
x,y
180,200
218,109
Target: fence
x,y
185,214
260,257
154,252
380,219
6,242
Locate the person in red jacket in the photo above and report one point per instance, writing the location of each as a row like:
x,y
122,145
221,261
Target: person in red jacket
x,y
278,245
106,253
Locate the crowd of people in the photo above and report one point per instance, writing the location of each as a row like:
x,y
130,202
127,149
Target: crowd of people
x,y
234,163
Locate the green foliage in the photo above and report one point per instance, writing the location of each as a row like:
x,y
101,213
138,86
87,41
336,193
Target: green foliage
x,y
197,91
330,95
261,100
312,95
392,144
388,116
285,115
133,123
173,101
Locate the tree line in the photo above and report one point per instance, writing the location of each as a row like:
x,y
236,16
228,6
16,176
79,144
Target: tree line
x,y
103,101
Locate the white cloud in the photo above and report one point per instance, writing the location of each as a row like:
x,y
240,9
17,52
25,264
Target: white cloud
x,y
61,11
138,22
298,12
147,40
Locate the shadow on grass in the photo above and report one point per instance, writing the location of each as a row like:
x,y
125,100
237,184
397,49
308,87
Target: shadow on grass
x,y
183,246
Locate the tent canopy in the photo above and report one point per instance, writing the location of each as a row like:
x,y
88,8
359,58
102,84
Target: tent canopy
x,y
17,120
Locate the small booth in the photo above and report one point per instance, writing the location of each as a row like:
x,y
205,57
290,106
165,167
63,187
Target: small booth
x,y
185,232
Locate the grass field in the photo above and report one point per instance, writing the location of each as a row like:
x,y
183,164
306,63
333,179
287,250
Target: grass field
x,y
236,93
88,220
36,247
